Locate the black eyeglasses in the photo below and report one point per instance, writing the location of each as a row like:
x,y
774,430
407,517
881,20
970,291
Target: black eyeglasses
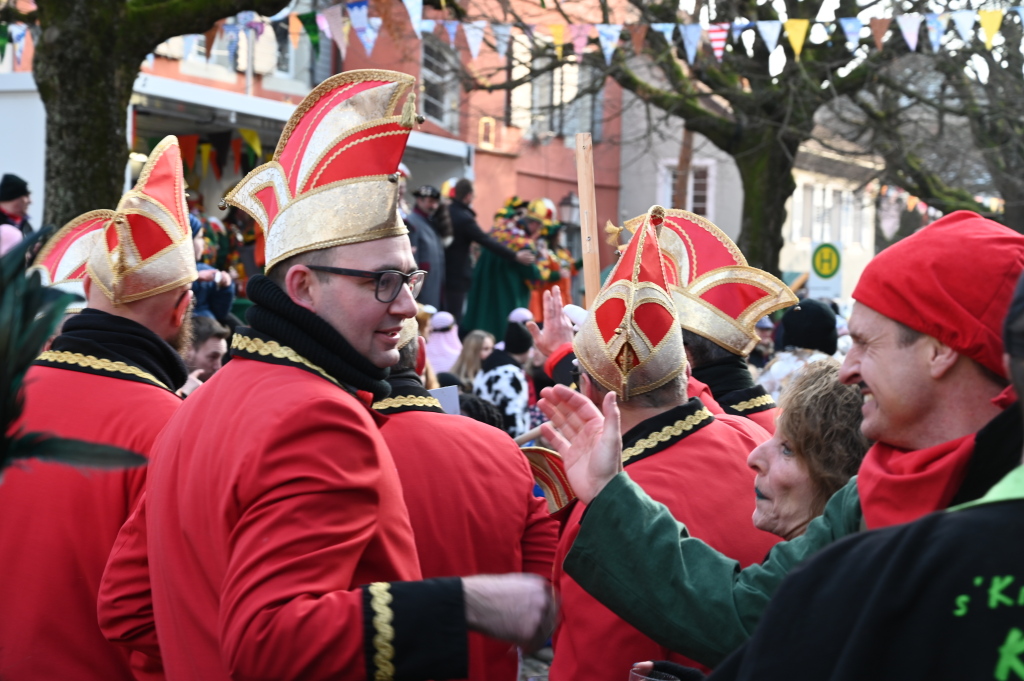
x,y
389,282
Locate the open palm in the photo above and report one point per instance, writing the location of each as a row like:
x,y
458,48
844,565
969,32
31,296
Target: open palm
x,y
589,441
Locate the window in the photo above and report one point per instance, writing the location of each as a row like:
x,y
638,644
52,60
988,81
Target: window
x,y
700,192
835,217
860,222
440,84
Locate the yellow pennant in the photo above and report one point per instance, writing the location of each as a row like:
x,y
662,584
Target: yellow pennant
x,y
797,29
990,20
557,32
252,139
204,157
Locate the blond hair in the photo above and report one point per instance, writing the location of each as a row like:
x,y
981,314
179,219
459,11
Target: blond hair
x,y
467,366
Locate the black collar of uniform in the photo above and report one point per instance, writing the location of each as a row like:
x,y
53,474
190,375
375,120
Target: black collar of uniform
x,y
407,396
321,349
725,376
664,430
99,343
746,402
997,448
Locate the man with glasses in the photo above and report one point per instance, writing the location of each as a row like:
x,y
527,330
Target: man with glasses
x,y
110,378
277,540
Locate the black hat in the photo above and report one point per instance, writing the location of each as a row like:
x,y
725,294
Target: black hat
x,y
1013,327
12,187
811,325
427,192
517,339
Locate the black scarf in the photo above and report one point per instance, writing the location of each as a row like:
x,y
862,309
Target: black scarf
x,y
725,375
106,336
276,315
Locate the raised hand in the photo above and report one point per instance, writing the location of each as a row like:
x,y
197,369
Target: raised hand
x,y
589,442
557,328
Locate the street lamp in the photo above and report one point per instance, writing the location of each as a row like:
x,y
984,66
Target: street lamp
x,y
569,209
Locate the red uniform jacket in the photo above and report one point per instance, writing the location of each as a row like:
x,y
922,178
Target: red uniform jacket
x,y
271,499
59,523
469,490
700,473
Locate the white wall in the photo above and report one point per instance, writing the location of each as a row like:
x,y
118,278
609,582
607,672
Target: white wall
x,y
23,136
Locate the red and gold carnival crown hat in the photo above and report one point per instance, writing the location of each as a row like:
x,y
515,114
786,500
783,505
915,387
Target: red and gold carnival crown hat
x,y
630,342
146,245
333,178
61,262
717,295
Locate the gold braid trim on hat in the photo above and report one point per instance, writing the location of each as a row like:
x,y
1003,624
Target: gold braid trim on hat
x,y
407,401
762,401
275,349
90,362
380,603
665,434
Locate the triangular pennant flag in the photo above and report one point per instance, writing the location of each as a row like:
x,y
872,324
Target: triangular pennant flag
x,y
963,21
325,28
667,30
557,32
204,158
221,143
149,61
211,38
428,26
474,36
878,28
739,25
257,26
5,38
188,45
718,34
691,40
936,28
308,21
252,140
294,30
1020,13
990,20
851,29
608,35
637,35
231,32
910,27
358,12
215,164
236,151
338,25
415,10
188,145
502,34
452,27
796,31
368,36
580,35
770,30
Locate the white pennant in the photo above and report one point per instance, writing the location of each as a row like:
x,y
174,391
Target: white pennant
x,y
910,27
332,15
666,29
608,35
474,36
427,25
502,34
770,30
415,10
368,34
357,13
691,39
453,28
964,21
936,25
851,29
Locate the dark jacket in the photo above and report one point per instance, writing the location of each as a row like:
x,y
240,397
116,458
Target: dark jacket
x,y
429,253
24,226
458,272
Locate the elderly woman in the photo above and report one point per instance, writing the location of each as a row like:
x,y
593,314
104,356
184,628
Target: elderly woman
x,y
816,449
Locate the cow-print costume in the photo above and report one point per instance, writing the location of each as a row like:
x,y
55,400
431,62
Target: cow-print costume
x,y
502,383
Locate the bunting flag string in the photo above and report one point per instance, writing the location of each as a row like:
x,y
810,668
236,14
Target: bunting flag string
x,y
415,10
474,32
851,29
796,30
878,28
252,140
718,34
211,37
294,30
691,40
990,20
427,26
452,27
608,36
770,30
557,32
667,30
370,33
339,27
910,28
308,21
236,151
358,12
5,38
738,26
580,34
637,35
963,21
502,34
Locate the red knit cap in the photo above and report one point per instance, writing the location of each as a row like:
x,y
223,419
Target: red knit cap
x,y
953,281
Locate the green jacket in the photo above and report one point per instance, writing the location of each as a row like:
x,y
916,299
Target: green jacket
x,y
677,589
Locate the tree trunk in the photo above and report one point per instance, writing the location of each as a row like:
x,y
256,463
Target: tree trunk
x,y
85,81
767,174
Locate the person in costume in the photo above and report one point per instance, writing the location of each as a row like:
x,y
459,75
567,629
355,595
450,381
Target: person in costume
x,y
506,253
109,378
810,336
502,381
631,347
927,355
426,243
444,346
484,518
273,541
556,266
499,285
936,599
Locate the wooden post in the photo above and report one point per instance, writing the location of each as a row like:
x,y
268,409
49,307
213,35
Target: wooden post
x,y
588,218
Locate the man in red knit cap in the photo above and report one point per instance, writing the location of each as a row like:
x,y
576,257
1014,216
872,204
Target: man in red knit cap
x,y
927,354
